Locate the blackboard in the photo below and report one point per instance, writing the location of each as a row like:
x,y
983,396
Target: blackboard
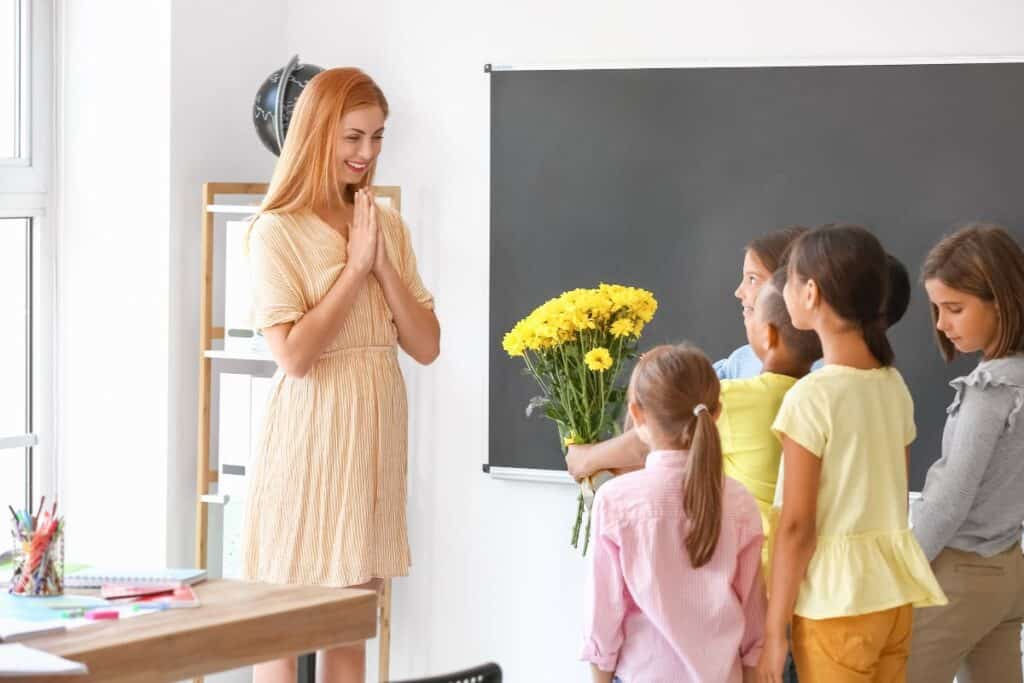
x,y
658,177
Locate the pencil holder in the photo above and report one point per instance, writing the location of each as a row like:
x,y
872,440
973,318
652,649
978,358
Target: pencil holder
x,y
38,559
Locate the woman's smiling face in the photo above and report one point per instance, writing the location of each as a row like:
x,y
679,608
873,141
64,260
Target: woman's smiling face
x,y
359,142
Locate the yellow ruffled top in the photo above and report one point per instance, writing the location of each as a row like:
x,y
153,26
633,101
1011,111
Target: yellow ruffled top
x,y
859,422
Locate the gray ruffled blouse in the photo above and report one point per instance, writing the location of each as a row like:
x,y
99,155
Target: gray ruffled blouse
x,y
973,497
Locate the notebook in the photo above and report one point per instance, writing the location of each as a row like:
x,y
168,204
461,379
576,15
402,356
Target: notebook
x,y
96,577
39,607
118,591
18,660
12,630
181,597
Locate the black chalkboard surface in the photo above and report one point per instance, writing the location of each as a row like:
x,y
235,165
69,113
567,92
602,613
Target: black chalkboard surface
x,y
658,177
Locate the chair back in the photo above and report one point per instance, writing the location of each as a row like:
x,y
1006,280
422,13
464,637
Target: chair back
x,y
487,673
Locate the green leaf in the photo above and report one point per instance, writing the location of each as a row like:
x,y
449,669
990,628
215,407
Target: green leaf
x,y
536,402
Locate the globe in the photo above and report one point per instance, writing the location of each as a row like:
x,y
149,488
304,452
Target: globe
x,y
272,110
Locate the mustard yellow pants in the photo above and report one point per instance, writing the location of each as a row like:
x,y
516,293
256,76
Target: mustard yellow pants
x,y
867,648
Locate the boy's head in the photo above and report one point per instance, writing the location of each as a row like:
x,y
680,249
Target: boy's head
x,y
770,330
898,298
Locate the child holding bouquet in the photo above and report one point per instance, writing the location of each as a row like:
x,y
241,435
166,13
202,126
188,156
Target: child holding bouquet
x,y
676,592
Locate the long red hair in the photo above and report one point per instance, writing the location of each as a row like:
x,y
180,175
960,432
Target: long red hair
x,y
306,175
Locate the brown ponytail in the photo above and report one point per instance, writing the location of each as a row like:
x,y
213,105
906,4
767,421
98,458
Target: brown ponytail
x,y
702,490
678,390
877,339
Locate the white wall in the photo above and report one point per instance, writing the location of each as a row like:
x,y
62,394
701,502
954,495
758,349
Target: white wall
x,y
156,100
218,61
113,279
493,577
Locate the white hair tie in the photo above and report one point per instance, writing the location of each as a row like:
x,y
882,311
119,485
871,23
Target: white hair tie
x,y
699,408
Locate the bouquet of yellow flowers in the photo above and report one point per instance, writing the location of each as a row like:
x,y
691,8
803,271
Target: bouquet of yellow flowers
x,y
575,347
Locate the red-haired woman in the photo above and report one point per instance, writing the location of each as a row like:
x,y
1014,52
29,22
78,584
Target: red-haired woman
x,y
335,291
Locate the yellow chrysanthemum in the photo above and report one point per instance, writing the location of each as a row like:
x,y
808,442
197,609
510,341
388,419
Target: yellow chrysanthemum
x,y
644,308
513,343
607,309
598,359
623,327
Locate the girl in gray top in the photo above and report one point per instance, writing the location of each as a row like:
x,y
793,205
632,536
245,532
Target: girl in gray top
x,y
969,518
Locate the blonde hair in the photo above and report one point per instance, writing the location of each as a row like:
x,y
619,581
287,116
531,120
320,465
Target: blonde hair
x,y
669,383
306,175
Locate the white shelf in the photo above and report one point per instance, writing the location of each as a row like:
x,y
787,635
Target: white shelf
x,y
241,209
531,474
22,441
240,355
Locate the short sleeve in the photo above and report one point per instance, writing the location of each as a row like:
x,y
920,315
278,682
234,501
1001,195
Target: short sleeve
x,y
742,363
803,417
407,262
276,293
721,367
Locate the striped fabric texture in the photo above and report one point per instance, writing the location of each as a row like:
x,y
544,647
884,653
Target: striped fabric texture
x,y
326,502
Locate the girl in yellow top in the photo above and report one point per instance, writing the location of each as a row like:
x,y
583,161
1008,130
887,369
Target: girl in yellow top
x,y
846,568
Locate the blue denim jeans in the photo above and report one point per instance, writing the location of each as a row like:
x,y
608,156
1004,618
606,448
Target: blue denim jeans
x,y
789,671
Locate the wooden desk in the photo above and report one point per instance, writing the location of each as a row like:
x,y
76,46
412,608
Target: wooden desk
x,y
238,624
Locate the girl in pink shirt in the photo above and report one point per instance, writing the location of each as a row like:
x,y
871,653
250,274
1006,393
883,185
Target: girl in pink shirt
x,y
676,592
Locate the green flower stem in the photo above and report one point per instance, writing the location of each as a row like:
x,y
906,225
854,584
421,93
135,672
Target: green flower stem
x,y
586,534
579,520
536,375
583,385
568,387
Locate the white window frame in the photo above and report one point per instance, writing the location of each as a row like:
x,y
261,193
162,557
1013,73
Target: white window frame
x,y
37,443
25,193
23,157
25,180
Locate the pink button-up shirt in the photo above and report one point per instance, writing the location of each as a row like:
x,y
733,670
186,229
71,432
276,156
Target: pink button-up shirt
x,y
650,616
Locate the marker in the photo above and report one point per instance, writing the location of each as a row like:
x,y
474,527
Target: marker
x,y
35,517
102,614
76,613
150,606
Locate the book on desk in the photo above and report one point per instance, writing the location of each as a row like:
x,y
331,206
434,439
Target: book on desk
x,y
94,577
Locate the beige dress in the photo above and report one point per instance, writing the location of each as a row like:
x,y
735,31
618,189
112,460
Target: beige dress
x,y
327,489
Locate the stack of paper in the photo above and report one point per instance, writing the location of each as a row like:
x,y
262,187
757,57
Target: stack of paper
x,y
18,660
24,617
12,630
